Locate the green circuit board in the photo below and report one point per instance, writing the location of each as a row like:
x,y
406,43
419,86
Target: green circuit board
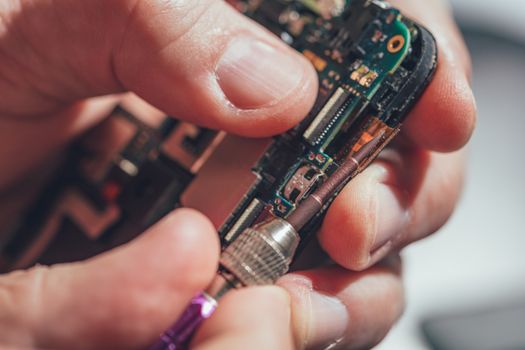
x,y
358,48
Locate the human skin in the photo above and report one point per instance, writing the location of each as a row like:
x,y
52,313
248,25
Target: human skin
x,y
56,56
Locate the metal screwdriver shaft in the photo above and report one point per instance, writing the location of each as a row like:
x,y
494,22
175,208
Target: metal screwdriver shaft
x,y
315,202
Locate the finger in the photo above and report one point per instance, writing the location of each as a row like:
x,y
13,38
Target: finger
x,y
444,118
338,309
404,196
198,60
251,318
121,299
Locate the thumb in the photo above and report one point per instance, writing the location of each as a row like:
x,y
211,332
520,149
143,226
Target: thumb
x,y
121,299
198,60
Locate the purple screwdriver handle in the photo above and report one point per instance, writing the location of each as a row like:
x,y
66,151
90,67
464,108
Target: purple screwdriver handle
x,y
178,336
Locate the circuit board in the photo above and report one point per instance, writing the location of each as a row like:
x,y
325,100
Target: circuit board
x,y
372,63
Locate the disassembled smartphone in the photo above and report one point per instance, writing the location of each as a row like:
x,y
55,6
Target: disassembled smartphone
x,y
137,165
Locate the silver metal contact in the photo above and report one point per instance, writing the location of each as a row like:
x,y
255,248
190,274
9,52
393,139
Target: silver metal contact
x,y
220,286
261,254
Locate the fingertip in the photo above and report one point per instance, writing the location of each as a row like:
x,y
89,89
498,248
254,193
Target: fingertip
x,y
445,115
177,255
254,318
336,308
233,75
104,301
348,229
184,242
283,112
294,106
444,118
195,228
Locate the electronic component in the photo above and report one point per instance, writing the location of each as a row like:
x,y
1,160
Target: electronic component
x,y
326,8
330,111
304,181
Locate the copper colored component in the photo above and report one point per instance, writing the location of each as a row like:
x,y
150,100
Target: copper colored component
x,y
395,44
315,202
317,61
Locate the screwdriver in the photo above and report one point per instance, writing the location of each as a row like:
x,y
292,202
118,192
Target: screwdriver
x,y
261,254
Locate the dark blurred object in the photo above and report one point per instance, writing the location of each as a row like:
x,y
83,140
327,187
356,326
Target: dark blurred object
x,y
495,328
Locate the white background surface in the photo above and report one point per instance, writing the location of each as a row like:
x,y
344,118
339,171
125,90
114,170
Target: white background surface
x,y
507,16
478,258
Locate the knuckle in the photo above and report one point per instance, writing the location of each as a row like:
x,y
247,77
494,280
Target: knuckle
x,y
170,18
153,26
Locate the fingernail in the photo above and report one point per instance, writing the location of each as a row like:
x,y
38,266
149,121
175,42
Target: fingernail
x,y
391,216
253,73
329,320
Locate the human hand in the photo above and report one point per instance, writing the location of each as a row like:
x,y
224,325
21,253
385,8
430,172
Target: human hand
x,y
54,56
171,55
404,196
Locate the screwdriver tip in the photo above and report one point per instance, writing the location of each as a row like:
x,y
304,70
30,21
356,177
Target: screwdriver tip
x,y
368,148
